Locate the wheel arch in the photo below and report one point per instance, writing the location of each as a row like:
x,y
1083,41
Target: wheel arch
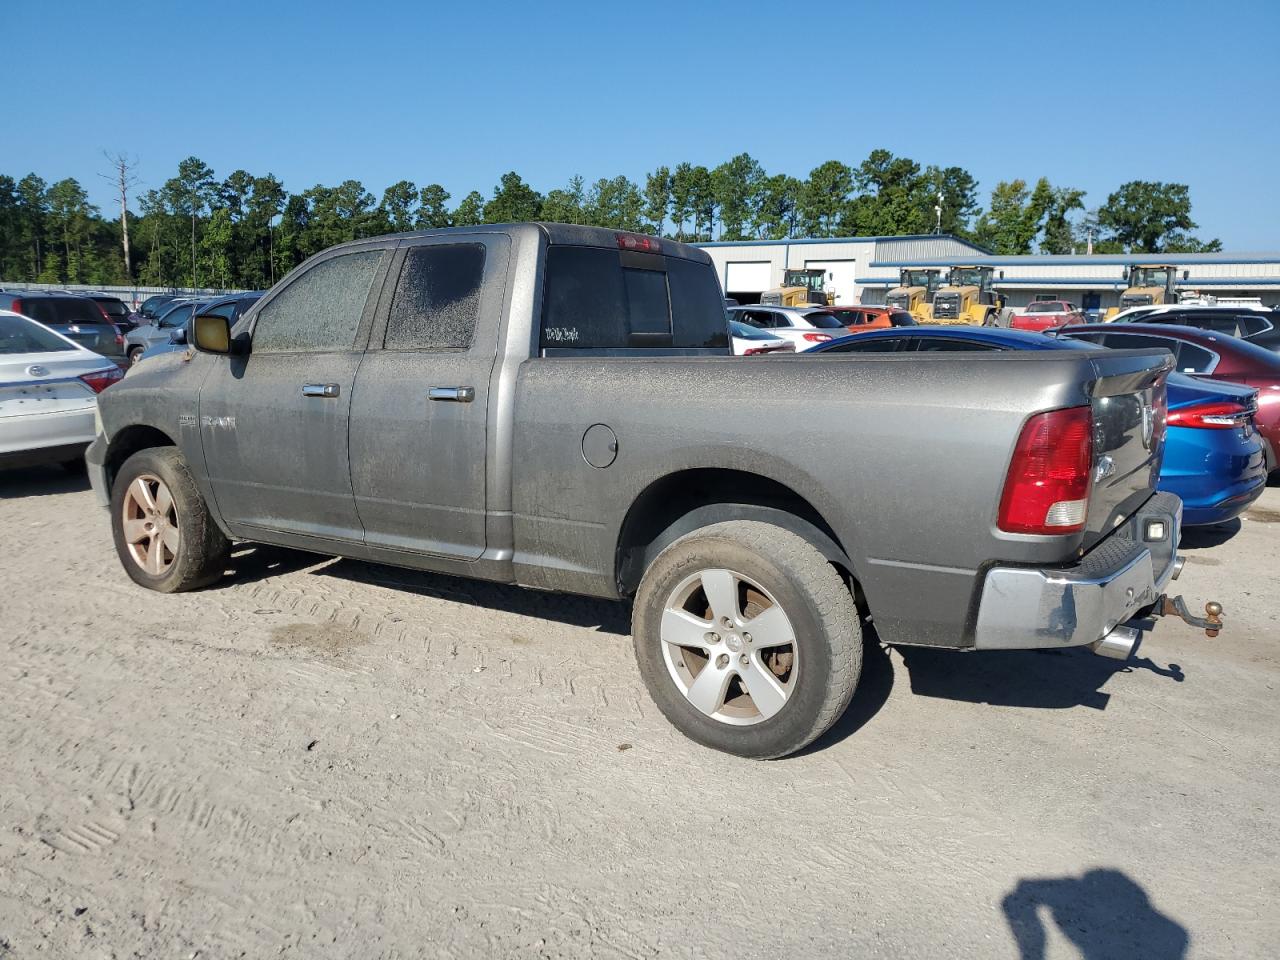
x,y
127,441
681,502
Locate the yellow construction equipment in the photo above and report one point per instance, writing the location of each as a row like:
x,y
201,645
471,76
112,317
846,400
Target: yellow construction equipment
x,y
799,288
967,298
914,292
1149,285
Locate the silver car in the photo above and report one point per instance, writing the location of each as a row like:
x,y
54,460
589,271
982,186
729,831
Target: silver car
x,y
146,335
49,388
806,327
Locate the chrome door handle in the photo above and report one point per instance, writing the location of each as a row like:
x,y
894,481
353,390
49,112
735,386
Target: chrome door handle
x,y
326,390
453,394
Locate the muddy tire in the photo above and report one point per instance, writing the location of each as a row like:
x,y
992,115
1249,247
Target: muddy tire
x,y
747,639
135,354
163,532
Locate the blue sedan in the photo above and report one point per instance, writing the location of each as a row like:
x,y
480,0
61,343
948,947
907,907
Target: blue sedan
x,y
1213,457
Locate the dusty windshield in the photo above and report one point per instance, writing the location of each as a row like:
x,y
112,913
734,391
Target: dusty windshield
x,y
966,278
1150,277
920,278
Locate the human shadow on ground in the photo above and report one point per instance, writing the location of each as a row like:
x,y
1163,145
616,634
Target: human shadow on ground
x,y
604,615
1105,915
1047,679
41,481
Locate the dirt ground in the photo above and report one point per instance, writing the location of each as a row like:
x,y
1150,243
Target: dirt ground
x,y
327,758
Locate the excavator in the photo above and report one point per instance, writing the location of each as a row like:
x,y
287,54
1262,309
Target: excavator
x,y
914,292
800,288
968,297
1149,284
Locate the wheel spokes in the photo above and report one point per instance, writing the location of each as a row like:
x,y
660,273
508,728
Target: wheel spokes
x,y
708,688
770,629
766,692
135,531
155,557
721,588
683,629
169,537
164,500
140,490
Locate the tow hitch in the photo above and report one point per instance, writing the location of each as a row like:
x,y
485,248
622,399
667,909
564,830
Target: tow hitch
x,y
1210,623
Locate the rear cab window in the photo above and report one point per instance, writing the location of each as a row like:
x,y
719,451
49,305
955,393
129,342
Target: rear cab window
x,y
601,299
62,310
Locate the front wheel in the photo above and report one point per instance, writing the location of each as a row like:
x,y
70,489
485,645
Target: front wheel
x,y
164,534
747,639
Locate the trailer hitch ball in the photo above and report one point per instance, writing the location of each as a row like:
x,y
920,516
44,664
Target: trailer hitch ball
x,y
1210,623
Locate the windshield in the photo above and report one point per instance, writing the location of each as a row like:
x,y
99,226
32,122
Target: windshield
x,y
823,320
968,277
1043,306
1150,277
20,335
920,278
804,278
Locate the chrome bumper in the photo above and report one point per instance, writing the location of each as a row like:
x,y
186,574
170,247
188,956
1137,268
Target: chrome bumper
x,y
1025,608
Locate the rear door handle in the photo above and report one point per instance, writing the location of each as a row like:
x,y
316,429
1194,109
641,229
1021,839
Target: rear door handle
x,y
325,390
453,394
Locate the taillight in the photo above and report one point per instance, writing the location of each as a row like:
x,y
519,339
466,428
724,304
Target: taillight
x,y
99,380
639,242
1047,488
817,337
16,306
1211,416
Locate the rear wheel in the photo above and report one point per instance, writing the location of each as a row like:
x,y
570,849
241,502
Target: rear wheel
x,y
164,534
747,639
135,354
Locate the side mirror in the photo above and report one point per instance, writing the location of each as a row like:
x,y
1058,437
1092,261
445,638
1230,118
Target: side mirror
x,y
178,335
211,334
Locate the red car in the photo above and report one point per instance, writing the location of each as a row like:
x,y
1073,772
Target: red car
x,y
1046,314
1203,353
859,319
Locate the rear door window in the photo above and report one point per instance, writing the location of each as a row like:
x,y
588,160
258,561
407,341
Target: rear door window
x,y
601,299
941,345
1191,358
1250,325
865,344
319,311
437,298
822,320
1140,341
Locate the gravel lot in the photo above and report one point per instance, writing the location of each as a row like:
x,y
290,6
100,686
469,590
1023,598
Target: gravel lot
x,y
327,758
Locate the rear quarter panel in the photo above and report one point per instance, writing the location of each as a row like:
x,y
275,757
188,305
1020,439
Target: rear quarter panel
x,y
903,456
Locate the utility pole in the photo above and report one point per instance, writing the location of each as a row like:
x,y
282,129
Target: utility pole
x,y
122,176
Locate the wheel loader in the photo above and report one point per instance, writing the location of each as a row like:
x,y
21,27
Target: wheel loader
x,y
967,298
799,288
1149,285
914,292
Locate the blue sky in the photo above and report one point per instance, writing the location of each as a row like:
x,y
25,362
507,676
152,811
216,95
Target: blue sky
x,y
460,93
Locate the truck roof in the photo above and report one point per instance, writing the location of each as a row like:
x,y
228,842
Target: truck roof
x,y
558,233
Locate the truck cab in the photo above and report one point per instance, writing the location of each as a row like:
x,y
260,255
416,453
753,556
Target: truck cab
x,y
799,288
1150,285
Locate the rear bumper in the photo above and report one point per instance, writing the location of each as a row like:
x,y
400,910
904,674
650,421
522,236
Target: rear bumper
x,y
38,431
1029,608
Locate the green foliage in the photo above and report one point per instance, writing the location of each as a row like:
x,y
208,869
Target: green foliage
x,y
514,201
248,231
1152,217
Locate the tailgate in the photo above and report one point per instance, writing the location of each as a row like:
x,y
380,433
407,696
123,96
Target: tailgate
x,y
1129,407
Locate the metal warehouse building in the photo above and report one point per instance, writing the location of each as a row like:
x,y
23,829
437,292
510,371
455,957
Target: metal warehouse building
x,y
864,269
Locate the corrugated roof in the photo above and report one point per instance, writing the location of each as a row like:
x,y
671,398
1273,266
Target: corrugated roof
x,y
1097,259
806,240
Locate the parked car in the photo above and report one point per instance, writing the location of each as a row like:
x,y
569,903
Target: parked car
x,y
1211,356
159,331
1214,457
232,307
1255,325
860,319
803,326
1045,314
70,315
48,391
117,310
1140,313
155,305
748,341
557,406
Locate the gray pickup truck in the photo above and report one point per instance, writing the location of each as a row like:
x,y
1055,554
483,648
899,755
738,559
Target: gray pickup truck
x,y
557,407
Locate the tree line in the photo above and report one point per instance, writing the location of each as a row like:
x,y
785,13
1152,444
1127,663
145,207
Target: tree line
x,y
247,231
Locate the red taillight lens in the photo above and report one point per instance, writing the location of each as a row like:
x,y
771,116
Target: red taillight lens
x,y
639,242
1047,489
16,306
817,337
1210,416
99,380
